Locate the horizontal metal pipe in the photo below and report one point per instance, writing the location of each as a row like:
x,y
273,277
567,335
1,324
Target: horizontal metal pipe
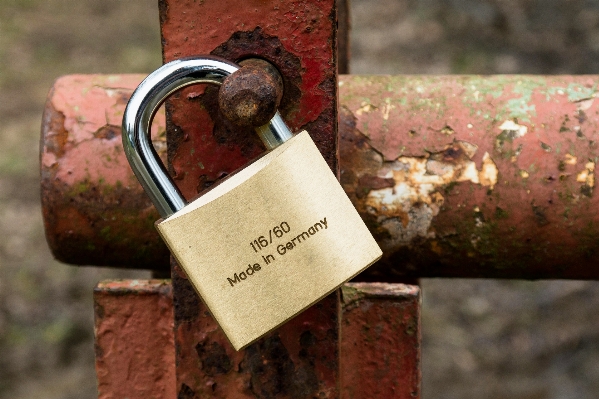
x,y
94,210
463,176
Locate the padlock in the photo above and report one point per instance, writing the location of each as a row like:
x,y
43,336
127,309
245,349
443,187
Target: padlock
x,y
268,241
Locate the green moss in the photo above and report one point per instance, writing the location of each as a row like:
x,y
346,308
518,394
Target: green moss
x,y
349,294
79,188
105,233
501,213
561,166
579,92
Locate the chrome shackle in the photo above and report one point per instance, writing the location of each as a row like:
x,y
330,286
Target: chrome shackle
x,y
140,111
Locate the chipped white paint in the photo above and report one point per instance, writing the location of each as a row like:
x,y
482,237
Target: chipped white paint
x,y
488,174
364,107
407,209
447,130
585,104
570,159
582,176
587,176
514,128
469,148
387,108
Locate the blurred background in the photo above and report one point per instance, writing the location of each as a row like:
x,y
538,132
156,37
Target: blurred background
x,y
481,338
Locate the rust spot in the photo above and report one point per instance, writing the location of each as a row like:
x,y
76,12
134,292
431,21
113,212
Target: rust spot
x,y
186,393
370,182
108,132
273,372
561,166
586,190
246,44
123,97
55,134
226,132
539,215
447,130
251,95
214,358
186,301
453,153
398,199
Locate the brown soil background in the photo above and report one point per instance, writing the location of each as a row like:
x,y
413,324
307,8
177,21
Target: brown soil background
x,y
481,338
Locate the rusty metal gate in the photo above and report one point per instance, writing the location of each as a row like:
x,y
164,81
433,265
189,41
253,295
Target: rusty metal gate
x,y
456,176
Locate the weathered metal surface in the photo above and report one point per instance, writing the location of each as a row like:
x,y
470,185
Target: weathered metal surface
x,y
379,352
482,177
448,216
380,341
135,351
95,212
298,360
251,96
298,38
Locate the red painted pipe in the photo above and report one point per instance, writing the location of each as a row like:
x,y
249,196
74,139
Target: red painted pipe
x,y
471,176
463,176
94,210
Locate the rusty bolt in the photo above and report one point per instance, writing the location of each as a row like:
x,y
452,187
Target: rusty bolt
x,y
251,96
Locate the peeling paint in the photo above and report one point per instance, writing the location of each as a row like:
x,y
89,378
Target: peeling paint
x,y
447,130
365,108
406,209
91,200
489,172
587,177
570,159
514,245
514,129
517,153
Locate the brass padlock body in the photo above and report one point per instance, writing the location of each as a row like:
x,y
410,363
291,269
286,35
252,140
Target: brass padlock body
x,y
270,241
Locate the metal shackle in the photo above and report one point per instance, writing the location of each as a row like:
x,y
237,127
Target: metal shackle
x,y
140,111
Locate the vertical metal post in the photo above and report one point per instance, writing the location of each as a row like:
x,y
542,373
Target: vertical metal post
x,y
380,345
134,344
299,38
